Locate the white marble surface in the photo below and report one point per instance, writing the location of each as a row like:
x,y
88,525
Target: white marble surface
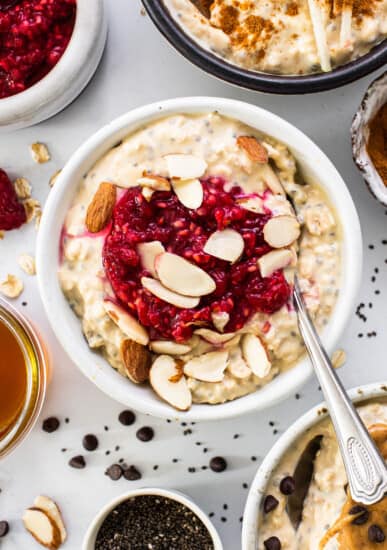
x,y
139,67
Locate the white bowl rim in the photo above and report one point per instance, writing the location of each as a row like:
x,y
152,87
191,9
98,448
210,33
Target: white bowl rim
x,y
89,21
283,385
307,420
96,523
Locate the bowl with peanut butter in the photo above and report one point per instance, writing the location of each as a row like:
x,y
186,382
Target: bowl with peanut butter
x,y
300,496
288,47
176,233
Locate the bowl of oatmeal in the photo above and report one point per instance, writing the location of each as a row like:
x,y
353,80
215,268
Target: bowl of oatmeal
x,y
328,518
167,250
290,47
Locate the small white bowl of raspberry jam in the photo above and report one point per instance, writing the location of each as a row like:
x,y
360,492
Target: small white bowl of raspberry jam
x,y
50,51
315,166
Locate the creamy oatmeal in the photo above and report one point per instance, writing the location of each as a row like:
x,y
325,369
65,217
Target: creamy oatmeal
x,y
330,519
284,37
189,284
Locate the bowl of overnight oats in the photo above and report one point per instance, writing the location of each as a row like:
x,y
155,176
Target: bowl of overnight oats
x,y
50,49
167,251
287,47
300,496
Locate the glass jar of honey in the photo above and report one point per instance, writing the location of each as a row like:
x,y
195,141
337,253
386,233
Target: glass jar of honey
x,y
23,377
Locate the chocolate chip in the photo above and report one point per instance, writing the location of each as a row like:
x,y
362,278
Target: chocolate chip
x,y
90,442
218,464
273,543
77,462
376,534
114,472
127,418
51,424
145,434
4,528
269,504
132,474
287,485
362,514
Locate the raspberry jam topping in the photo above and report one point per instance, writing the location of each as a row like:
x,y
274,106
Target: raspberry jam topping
x,y
240,289
12,213
33,36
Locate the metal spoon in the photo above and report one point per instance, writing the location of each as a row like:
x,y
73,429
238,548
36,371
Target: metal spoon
x,y
364,465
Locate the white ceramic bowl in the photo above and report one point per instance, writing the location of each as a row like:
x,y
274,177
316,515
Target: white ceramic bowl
x,y
91,534
67,327
69,76
284,443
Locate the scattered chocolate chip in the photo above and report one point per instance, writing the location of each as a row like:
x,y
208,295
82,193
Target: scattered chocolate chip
x,y
127,418
77,462
269,504
376,534
287,485
218,464
132,474
363,516
114,472
145,434
273,543
90,442
4,528
51,424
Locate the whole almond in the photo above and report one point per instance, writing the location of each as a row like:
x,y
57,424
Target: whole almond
x,y
100,209
255,150
137,361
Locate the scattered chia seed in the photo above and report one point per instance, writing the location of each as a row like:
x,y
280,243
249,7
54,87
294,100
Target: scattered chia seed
x,y
187,432
106,428
67,420
149,521
245,486
223,519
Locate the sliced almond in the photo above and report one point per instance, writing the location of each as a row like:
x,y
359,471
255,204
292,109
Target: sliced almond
x,y
255,355
23,188
274,260
42,528
254,149
226,244
220,319
252,204
271,180
11,287
237,366
157,183
189,192
182,277
185,166
137,361
209,367
147,193
27,264
281,231
229,344
176,393
100,209
125,322
40,152
52,510
214,337
148,253
156,288
169,347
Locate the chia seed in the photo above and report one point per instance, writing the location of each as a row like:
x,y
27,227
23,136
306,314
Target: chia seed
x,y
149,521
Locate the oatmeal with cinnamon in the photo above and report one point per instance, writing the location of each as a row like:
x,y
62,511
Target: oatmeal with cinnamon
x,y
330,520
289,37
178,255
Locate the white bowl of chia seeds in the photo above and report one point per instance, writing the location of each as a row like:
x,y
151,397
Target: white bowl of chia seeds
x,y
151,518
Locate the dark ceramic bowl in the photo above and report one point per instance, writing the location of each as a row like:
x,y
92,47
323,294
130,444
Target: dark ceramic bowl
x,y
262,82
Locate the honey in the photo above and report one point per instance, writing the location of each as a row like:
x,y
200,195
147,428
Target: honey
x,y
13,379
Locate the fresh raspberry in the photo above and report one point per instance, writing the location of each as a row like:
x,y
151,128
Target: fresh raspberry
x,y
12,213
240,289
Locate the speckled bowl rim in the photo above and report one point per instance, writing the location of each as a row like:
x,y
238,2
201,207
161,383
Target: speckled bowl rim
x,y
92,531
67,326
296,430
262,82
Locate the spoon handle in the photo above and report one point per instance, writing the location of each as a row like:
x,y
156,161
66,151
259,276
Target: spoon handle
x,y
365,467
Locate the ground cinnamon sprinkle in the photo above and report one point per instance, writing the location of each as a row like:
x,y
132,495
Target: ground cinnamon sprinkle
x,y
292,9
377,142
